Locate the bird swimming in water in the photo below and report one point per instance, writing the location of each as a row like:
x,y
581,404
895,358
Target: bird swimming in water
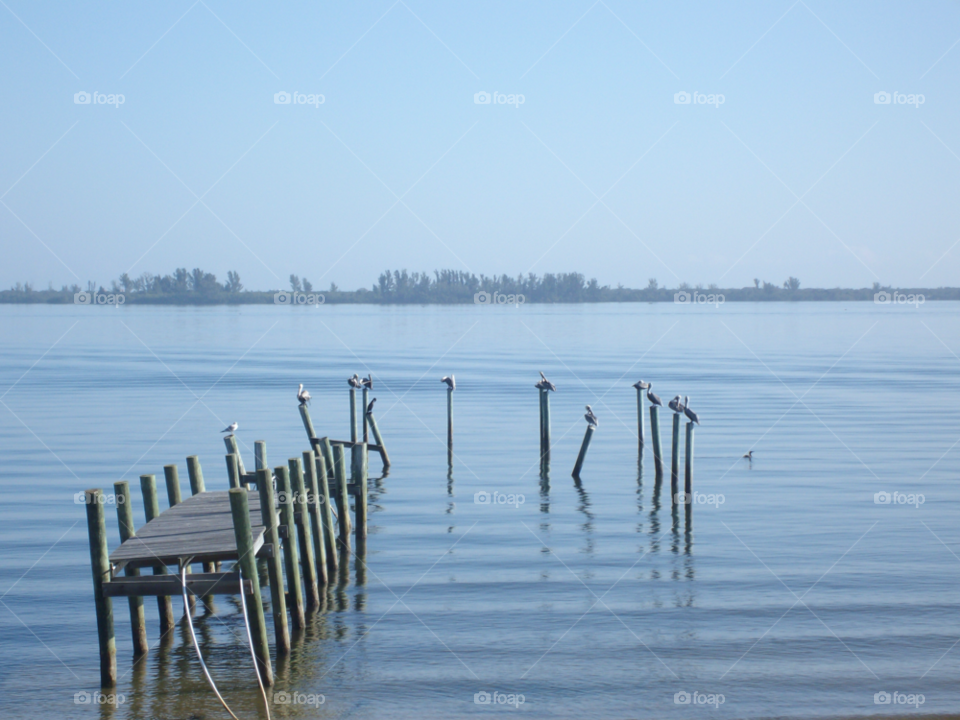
x,y
303,395
545,384
450,380
675,404
367,382
654,399
688,412
232,428
354,382
370,406
641,385
749,456
590,417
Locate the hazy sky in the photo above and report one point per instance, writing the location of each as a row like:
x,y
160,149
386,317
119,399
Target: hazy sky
x,y
798,172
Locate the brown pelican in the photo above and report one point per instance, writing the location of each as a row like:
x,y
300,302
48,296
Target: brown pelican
x,y
354,382
450,380
368,382
590,417
654,399
231,429
303,395
545,384
641,385
370,406
688,412
675,404
749,456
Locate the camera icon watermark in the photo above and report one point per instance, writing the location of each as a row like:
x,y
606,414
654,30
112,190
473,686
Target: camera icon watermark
x,y
98,698
499,698
294,698
89,298
898,498
898,698
487,298
98,98
699,98
898,298
498,98
898,98
698,698
298,298
498,498
684,297
298,98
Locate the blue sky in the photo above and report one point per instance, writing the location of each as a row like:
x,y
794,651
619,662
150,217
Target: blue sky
x,y
798,172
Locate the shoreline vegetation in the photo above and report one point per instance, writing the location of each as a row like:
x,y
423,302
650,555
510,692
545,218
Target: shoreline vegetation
x,y
444,287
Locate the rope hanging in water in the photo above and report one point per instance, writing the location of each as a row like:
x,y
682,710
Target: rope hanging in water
x,y
246,621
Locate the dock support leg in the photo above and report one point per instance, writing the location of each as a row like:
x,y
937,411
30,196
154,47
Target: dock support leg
x,y
688,464
278,602
260,455
148,487
363,410
248,567
640,419
195,472
305,535
324,473
100,563
546,426
314,500
291,556
138,623
233,470
358,466
343,497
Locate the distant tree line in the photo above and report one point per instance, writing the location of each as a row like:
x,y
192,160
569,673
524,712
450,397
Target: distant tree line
x,y
198,287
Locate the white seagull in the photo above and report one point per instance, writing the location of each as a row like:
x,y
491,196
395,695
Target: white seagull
x,y
303,395
231,429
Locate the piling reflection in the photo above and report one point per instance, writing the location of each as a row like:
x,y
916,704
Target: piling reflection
x,y
583,506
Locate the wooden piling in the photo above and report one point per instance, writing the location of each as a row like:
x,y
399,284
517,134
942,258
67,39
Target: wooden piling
x,y
342,496
195,473
379,440
305,534
291,554
449,419
324,471
688,465
359,472
363,410
260,455
100,564
316,521
353,414
307,422
271,536
231,442
545,451
148,487
587,437
542,392
655,435
640,418
172,476
233,470
248,567
138,623
675,459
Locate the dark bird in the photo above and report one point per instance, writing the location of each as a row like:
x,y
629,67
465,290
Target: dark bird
x,y
749,456
641,385
654,399
675,404
303,395
450,380
545,384
370,406
590,417
231,429
354,382
688,412
367,382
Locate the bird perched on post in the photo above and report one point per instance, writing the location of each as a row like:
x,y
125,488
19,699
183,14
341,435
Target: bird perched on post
x,y
370,406
688,412
591,418
354,382
232,428
641,385
545,384
303,395
367,382
450,380
675,404
654,399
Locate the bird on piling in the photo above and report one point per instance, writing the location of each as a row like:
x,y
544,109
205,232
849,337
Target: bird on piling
x,y
749,456
590,417
688,412
545,384
354,382
450,380
641,385
654,399
367,382
232,428
675,404
370,406
303,395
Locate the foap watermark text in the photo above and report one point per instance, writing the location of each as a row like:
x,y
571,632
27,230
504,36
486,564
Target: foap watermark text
x,y
685,297
298,98
898,298
297,298
898,498
698,98
898,98
92,298
898,698
514,700
486,298
498,498
695,498
98,98
698,698
498,98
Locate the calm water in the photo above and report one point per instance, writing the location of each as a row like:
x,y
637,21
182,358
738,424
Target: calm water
x,y
797,596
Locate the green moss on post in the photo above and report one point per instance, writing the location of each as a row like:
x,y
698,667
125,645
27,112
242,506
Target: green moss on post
x,y
260,455
655,435
675,459
100,564
305,535
248,567
324,470
587,437
148,486
316,521
291,555
342,496
271,536
138,623
233,470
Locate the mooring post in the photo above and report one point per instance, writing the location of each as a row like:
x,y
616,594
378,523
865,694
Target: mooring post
x,y
587,437
353,414
260,455
363,410
379,440
138,623
305,534
343,496
271,536
233,470
148,487
231,442
314,501
449,420
195,473
100,564
359,471
248,567
675,459
324,470
688,465
655,434
640,417
291,556
307,422
542,393
546,424
172,477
